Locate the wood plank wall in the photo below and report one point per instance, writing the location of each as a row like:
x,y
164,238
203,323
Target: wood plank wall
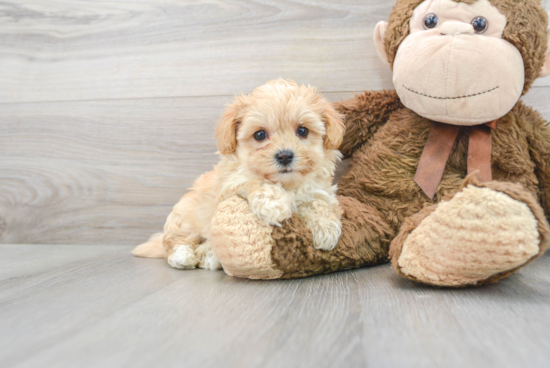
x,y
107,106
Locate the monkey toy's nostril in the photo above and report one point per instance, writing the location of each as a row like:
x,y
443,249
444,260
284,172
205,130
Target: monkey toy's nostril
x,y
284,157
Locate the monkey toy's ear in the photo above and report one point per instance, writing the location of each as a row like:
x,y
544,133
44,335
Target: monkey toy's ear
x,y
379,34
546,66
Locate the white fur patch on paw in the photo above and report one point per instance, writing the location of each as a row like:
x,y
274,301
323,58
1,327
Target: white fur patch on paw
x,y
209,261
183,258
324,221
272,204
477,234
326,238
326,234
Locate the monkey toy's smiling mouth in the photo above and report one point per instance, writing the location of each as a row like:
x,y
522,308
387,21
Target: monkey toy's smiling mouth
x,y
451,98
452,73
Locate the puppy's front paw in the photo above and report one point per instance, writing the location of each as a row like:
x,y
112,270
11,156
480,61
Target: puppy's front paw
x,y
324,221
326,233
272,204
183,258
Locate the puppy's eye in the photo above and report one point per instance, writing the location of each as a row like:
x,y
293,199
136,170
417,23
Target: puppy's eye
x,y
302,132
260,135
430,21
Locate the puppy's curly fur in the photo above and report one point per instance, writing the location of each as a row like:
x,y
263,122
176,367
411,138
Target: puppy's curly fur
x,y
278,149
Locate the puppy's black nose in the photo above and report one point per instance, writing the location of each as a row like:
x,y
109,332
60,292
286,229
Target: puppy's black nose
x,y
284,157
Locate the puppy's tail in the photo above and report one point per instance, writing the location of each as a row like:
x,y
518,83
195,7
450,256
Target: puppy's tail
x,y
152,249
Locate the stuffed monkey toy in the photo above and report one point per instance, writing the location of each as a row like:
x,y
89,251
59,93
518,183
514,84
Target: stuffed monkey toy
x,y
449,175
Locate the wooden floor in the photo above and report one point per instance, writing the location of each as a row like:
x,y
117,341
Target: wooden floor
x,y
97,306
107,109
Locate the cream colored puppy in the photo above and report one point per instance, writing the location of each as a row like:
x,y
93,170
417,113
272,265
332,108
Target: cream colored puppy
x,y
278,149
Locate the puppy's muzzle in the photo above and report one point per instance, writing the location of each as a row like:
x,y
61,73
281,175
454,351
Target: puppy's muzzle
x,y
285,157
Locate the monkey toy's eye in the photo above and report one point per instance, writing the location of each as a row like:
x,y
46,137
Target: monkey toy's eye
x,y
480,24
430,21
260,135
302,132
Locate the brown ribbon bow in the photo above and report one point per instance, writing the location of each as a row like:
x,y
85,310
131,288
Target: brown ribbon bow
x,y
438,148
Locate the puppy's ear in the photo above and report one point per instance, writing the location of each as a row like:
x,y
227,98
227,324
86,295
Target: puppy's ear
x,y
334,127
226,130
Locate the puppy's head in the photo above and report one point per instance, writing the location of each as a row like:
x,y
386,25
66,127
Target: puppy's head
x,y
281,132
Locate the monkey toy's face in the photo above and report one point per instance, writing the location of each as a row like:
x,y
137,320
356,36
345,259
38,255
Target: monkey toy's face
x,y
454,67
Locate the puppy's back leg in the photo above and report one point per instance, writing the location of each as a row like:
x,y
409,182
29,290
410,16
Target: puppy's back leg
x,y
181,238
183,257
207,258
188,225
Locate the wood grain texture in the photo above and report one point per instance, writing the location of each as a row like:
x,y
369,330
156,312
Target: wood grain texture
x,y
107,107
170,48
101,172
109,309
109,172
98,171
107,49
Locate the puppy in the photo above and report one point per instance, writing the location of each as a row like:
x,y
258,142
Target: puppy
x,y
278,149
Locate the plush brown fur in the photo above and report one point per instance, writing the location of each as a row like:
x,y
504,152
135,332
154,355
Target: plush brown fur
x,y
296,257
385,140
514,191
378,194
372,107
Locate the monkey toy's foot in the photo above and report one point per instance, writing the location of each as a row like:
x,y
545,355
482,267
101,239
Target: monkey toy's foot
x,y
484,233
248,248
242,242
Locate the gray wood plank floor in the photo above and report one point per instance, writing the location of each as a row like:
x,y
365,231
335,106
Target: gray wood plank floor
x,y
97,306
106,117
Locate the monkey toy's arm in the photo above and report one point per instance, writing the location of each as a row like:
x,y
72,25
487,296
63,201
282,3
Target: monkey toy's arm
x,y
539,143
363,115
